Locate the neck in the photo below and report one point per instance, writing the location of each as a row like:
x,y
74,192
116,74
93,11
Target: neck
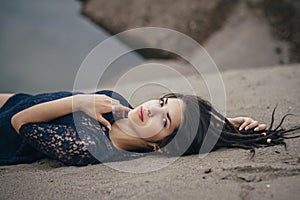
x,y
122,137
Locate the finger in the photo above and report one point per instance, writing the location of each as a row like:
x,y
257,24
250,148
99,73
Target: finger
x,y
126,109
115,101
118,114
237,121
260,127
111,101
123,114
122,111
104,122
121,108
252,125
246,123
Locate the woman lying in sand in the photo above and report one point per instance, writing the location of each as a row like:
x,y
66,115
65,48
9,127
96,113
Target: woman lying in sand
x,y
38,126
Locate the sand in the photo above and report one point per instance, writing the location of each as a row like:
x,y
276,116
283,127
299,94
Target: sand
x,y
273,173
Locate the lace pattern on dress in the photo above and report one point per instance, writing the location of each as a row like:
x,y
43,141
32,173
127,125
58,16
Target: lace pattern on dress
x,y
72,144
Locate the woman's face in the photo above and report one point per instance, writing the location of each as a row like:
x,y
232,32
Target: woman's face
x,y
156,119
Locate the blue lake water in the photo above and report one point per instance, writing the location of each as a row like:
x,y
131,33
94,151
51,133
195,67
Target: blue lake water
x,y
43,43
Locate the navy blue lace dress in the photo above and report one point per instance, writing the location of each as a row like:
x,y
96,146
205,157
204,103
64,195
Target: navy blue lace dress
x,y
61,139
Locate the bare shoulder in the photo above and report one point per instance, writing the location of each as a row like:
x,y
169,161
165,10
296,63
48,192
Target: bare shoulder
x,y
4,97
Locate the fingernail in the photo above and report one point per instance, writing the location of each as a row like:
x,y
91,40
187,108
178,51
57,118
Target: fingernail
x,y
256,129
109,127
240,128
246,128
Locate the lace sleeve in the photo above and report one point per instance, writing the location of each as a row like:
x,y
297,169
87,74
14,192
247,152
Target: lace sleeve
x,y
63,143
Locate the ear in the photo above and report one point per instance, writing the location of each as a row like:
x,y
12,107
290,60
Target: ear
x,y
155,147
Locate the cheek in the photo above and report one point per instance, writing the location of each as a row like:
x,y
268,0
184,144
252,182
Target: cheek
x,y
152,128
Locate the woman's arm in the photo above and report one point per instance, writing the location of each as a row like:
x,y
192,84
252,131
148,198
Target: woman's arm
x,y
43,112
92,105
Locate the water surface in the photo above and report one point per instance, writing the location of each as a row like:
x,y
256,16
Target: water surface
x,y
43,42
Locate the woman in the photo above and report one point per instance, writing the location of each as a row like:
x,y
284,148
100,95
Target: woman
x,y
65,126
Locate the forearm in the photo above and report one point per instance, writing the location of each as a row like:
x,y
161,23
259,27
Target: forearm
x,y
43,112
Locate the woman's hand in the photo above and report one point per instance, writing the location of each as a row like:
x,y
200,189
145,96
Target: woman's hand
x,y
95,105
247,123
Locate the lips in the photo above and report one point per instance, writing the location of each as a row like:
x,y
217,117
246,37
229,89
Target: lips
x,y
141,116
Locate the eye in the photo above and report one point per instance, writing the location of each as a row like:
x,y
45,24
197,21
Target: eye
x,y
164,122
161,102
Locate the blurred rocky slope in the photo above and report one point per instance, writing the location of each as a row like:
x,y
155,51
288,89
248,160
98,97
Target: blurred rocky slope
x,y
202,20
195,18
284,17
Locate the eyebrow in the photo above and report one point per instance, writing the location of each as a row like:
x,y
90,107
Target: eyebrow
x,y
168,115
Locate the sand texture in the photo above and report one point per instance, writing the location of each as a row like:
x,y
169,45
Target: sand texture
x,y
273,173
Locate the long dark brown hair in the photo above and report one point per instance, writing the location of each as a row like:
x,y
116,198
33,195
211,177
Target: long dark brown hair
x,y
200,119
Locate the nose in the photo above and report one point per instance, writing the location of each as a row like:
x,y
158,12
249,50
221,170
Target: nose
x,y
154,110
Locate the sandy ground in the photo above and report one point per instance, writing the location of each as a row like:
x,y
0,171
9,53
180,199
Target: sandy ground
x,y
225,174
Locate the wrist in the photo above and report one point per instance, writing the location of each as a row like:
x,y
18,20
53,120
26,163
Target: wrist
x,y
77,102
